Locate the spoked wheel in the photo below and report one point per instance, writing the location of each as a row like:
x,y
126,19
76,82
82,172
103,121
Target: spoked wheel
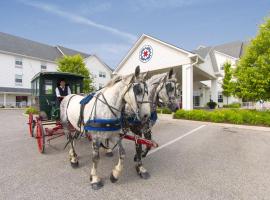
x,y
31,124
40,137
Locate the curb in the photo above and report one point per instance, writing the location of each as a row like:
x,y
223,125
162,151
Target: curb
x,y
255,128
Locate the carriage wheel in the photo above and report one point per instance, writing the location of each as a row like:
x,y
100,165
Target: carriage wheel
x,y
31,124
40,137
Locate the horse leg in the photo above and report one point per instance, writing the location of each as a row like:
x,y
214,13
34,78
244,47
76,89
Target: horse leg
x,y
141,171
109,152
148,136
72,154
116,172
96,182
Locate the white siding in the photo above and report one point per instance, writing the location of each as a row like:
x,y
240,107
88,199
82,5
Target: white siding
x,y
95,66
29,68
163,57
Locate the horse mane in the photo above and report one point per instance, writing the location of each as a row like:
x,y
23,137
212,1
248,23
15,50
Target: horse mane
x,y
116,79
156,78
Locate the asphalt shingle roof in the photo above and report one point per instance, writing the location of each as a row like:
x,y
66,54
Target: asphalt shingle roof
x,y
22,46
233,49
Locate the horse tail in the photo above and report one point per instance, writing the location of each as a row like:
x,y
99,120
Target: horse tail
x,y
63,109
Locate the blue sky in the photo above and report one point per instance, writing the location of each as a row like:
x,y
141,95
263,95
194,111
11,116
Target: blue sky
x,y
110,28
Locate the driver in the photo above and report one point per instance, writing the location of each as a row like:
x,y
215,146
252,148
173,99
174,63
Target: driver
x,y
61,91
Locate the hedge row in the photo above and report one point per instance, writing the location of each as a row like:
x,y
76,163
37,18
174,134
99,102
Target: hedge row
x,y
164,111
232,105
234,116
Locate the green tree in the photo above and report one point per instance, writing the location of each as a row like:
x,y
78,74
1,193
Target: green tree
x,y
227,84
253,70
74,64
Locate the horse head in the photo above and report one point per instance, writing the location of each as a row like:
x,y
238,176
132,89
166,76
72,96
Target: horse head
x,y
136,97
167,90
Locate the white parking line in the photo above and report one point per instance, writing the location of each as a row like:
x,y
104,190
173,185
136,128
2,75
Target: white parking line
x,y
175,140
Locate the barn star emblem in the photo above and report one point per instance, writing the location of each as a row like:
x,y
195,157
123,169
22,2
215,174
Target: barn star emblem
x,y
146,53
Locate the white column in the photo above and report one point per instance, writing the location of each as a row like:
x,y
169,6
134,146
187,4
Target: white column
x,y
214,90
187,87
5,99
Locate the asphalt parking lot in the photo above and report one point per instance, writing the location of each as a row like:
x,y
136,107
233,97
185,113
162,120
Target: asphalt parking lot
x,y
195,161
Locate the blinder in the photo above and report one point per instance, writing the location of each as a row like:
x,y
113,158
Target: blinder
x,y
138,90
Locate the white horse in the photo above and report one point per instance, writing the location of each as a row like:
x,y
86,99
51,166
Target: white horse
x,y
161,87
102,118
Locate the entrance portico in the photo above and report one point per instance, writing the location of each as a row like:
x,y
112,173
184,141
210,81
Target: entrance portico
x,y
155,56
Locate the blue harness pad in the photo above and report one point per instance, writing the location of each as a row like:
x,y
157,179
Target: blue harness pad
x,y
103,125
154,116
88,98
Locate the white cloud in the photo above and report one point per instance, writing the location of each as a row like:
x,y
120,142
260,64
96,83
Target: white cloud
x,y
75,18
89,8
161,4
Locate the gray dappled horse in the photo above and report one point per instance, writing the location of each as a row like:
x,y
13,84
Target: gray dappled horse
x,y
161,87
101,117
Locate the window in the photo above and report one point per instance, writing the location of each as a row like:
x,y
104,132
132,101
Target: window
x,y
102,74
100,86
43,66
78,87
196,101
18,79
222,67
48,87
18,62
37,87
220,97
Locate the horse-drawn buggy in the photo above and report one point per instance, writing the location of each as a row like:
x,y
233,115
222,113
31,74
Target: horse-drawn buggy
x,y
46,125
124,109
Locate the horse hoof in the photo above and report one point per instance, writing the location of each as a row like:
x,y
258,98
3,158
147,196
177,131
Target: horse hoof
x,y
74,165
145,175
109,154
97,185
113,179
142,172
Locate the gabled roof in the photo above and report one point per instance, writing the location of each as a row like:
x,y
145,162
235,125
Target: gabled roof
x,y
24,47
138,42
232,49
71,52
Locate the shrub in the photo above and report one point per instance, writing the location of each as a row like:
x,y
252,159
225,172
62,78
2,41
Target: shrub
x,y
31,110
166,111
2,106
212,104
234,116
232,105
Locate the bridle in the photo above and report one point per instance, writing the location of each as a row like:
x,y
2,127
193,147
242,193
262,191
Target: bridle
x,y
168,87
138,90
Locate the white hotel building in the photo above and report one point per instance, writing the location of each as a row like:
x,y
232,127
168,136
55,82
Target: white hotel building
x,y
21,59
199,72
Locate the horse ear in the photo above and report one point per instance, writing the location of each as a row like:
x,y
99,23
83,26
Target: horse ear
x,y
145,76
170,73
137,71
